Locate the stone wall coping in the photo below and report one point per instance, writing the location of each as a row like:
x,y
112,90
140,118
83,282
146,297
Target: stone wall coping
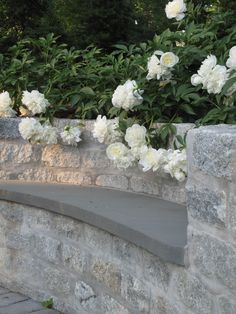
x,y
154,224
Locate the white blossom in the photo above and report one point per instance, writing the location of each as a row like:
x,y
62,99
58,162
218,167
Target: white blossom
x,y
135,135
71,135
33,131
231,62
120,155
169,59
6,110
127,96
211,75
35,102
161,68
176,165
106,131
175,9
30,129
153,159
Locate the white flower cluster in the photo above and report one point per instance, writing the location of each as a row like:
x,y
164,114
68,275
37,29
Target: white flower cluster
x,y
35,102
169,161
32,130
71,135
211,75
161,68
106,131
127,96
6,110
175,9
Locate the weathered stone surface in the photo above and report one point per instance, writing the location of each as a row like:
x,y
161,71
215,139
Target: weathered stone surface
x,y
136,292
19,153
73,177
127,254
72,258
107,273
61,156
113,181
98,240
95,159
160,305
86,297
173,191
46,247
139,184
207,206
58,281
9,128
12,212
155,271
214,258
192,292
67,227
226,305
37,174
111,306
213,150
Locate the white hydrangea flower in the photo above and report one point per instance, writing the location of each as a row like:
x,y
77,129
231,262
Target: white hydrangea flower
x,y
24,112
127,96
35,101
120,155
153,159
137,151
161,68
30,129
211,75
6,110
106,131
176,165
175,9
71,135
231,62
135,135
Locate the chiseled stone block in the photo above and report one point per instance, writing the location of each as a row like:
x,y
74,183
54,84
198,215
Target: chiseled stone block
x,y
46,248
139,184
160,305
227,305
19,153
73,258
155,271
136,292
111,306
86,297
213,150
214,258
192,293
107,273
11,212
61,156
206,205
95,159
113,181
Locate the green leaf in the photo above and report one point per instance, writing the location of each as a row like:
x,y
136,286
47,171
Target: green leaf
x,y
87,91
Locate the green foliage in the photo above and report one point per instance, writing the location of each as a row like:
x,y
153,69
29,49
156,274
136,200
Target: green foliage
x,y
47,304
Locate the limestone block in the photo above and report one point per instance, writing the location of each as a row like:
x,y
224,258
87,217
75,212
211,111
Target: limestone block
x,y
61,156
113,181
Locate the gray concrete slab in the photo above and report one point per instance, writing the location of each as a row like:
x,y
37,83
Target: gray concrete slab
x,y
154,224
15,303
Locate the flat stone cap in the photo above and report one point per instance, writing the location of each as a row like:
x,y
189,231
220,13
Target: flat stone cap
x,y
156,225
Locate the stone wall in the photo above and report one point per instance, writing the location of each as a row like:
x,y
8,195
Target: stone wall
x,y
87,270
86,164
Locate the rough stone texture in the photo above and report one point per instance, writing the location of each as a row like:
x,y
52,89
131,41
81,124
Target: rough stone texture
x,y
226,306
86,164
87,270
214,155
192,293
214,258
207,206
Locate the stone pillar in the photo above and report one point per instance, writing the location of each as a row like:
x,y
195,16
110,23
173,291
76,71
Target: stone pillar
x,y
211,202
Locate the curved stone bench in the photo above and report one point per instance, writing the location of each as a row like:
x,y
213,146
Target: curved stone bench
x,y
156,225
